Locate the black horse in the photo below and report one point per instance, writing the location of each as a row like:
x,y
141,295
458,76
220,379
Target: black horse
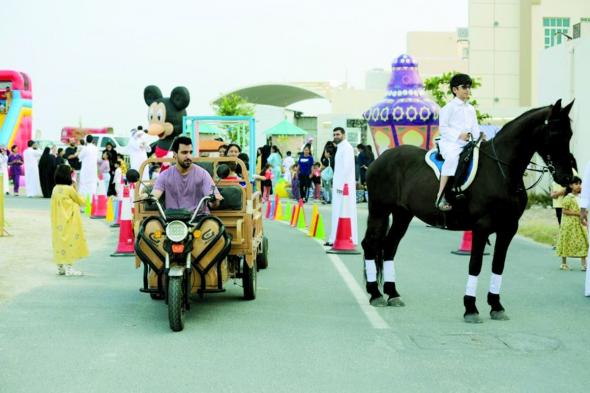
x,y
402,185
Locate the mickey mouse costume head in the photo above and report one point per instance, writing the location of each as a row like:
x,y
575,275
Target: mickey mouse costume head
x,y
165,116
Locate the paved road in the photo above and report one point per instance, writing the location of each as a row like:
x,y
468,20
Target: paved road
x,y
306,332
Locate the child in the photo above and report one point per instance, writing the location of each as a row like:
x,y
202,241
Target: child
x,y
122,163
69,243
118,181
104,170
316,180
295,182
573,237
267,182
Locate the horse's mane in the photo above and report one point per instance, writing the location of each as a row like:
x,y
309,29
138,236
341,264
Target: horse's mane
x,y
534,114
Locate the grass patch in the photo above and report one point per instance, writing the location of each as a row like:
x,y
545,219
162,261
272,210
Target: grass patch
x,y
539,231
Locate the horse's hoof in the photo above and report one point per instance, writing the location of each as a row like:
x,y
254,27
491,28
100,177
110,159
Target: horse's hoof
x,y
395,302
499,315
472,318
378,302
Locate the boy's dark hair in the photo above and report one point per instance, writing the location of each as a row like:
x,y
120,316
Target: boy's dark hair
x,y
317,164
339,129
89,138
181,140
288,152
13,147
30,143
224,146
63,175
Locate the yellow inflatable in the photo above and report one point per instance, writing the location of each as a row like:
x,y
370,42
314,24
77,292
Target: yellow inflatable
x,y
281,189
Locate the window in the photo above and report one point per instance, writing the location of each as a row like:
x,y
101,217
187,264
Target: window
x,y
552,27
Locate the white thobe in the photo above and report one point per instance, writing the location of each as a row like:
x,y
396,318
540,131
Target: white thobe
x,y
89,170
138,149
344,174
455,118
32,183
288,162
4,166
585,204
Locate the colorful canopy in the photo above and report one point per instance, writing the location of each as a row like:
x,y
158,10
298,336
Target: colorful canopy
x,y
285,128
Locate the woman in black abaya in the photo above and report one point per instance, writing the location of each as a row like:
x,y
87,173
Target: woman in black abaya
x,y
47,173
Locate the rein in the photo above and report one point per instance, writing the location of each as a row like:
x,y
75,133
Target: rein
x,y
544,168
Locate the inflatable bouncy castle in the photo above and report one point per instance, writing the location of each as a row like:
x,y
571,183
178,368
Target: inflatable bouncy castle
x,y
16,109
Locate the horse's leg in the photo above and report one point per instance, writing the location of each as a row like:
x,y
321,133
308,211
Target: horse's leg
x,y
377,224
480,237
401,221
503,239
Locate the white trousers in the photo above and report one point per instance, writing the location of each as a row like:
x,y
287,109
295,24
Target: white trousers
x,y
450,153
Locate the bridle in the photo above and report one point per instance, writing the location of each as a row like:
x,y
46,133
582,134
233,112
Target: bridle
x,y
549,167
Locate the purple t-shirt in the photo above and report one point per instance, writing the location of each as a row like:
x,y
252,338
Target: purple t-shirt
x,y
185,191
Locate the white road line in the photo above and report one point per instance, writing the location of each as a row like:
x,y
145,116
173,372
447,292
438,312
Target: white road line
x,y
358,293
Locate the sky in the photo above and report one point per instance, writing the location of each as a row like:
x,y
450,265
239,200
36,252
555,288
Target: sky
x,y
90,60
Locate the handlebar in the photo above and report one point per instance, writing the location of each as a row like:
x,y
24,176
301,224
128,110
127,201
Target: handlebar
x,y
161,210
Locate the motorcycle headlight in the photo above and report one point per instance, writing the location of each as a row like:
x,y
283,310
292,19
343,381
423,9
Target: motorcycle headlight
x,y
176,231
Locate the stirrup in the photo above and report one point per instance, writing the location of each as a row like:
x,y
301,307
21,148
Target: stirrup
x,y
443,205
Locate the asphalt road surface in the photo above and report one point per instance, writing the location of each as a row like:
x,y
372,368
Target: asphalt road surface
x,y
309,330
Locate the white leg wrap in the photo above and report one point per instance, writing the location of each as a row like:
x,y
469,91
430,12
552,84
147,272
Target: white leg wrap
x,y
471,289
495,284
388,271
371,270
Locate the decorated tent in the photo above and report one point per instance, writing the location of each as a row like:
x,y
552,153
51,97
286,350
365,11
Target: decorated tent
x,y
287,136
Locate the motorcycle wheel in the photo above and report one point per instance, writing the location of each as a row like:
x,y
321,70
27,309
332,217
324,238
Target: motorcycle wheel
x,y
249,280
262,257
176,308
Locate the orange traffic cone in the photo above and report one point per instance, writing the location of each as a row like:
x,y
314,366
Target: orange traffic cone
x,y
343,243
125,247
296,211
465,246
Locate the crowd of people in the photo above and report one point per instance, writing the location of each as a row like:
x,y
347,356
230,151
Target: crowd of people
x,y
306,178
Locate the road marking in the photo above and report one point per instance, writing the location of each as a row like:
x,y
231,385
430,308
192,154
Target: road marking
x,y
357,292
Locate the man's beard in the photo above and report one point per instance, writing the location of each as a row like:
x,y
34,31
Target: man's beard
x,y
186,164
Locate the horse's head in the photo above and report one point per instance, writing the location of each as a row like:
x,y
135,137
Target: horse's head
x,y
553,142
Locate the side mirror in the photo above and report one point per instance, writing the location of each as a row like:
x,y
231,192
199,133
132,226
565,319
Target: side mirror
x,y
132,176
222,171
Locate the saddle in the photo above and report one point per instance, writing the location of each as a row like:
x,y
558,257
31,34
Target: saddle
x,y
466,170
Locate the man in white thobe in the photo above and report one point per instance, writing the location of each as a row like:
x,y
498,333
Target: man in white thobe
x,y
89,170
31,157
457,125
584,205
343,174
138,149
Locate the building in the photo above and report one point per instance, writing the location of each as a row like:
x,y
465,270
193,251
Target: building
x,y
438,52
506,39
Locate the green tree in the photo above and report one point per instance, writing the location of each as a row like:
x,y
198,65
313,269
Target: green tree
x,y
438,87
235,105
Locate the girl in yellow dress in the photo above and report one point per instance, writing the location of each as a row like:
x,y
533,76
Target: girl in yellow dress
x,y
573,237
69,242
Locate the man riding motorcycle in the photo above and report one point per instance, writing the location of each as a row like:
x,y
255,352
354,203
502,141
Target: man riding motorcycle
x,y
185,184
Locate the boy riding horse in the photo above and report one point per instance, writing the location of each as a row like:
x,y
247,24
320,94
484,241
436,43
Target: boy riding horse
x,y
457,124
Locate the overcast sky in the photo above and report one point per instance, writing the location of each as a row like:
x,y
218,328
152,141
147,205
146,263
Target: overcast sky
x,y
91,59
